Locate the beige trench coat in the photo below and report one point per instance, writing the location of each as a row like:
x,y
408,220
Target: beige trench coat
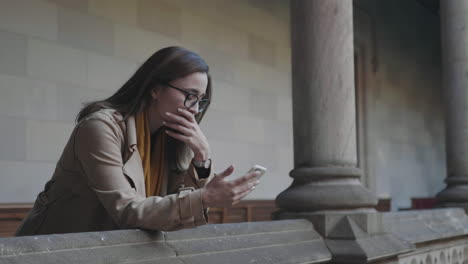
x,y
98,184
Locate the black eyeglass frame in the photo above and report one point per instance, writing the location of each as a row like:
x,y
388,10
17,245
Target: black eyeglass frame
x,y
203,102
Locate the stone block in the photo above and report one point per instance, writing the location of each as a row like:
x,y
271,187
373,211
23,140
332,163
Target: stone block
x,y
22,181
222,65
50,61
265,155
42,101
367,249
160,17
278,133
85,31
13,139
13,99
231,40
227,153
283,57
197,29
108,73
347,225
72,99
262,51
137,44
426,225
31,18
230,98
73,4
120,11
284,108
28,98
290,241
287,254
262,104
214,32
249,129
258,242
45,141
45,243
219,125
12,53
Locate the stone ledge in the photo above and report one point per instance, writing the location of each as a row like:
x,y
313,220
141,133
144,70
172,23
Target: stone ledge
x,y
288,241
422,226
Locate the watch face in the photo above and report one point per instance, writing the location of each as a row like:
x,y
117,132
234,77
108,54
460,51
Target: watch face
x,y
207,164
202,164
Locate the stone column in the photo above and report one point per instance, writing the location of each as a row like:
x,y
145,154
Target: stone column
x,y
327,188
325,171
454,33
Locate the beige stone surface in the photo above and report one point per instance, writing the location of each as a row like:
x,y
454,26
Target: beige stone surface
x,y
33,18
45,140
55,62
119,11
160,17
28,98
86,32
137,44
22,177
12,53
108,73
78,51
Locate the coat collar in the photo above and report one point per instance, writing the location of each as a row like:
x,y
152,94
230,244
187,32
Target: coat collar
x,y
131,133
133,166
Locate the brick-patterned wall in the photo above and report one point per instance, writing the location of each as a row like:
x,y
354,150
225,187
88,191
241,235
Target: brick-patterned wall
x,y
57,54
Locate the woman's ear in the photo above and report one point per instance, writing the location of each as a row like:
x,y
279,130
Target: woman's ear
x,y
154,93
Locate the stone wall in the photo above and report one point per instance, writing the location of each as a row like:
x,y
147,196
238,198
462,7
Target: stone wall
x,y
55,55
407,149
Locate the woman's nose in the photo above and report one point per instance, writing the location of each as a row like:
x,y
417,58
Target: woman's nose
x,y
194,109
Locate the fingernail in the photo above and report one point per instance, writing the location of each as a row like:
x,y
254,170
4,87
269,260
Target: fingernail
x,y
257,182
253,188
167,113
179,109
164,122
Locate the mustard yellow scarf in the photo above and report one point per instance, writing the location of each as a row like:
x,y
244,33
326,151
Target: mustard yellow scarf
x,y
152,155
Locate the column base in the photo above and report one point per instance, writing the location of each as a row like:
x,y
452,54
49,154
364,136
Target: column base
x,y
455,194
331,188
353,236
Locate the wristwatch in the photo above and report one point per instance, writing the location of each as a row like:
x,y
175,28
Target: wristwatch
x,y
205,164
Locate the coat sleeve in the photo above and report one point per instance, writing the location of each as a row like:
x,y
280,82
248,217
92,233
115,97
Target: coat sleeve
x,y
98,148
192,179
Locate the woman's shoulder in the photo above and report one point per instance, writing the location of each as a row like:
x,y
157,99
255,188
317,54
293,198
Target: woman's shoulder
x,y
103,120
105,115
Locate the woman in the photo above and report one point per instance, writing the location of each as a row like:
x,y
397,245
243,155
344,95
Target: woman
x,y
139,159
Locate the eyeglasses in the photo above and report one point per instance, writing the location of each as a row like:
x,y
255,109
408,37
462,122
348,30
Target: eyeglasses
x,y
192,99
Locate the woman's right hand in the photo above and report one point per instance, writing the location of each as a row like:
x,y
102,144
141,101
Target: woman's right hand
x,y
220,192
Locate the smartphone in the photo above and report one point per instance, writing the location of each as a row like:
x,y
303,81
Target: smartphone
x,y
259,168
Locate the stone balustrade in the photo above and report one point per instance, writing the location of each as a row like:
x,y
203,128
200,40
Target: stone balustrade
x,y
432,237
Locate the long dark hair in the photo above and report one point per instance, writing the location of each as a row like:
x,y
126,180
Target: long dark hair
x,y
164,66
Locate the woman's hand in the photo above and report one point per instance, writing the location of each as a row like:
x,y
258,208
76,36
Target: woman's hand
x,y
222,193
190,132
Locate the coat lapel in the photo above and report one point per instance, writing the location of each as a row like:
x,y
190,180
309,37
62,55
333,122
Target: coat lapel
x,y
133,167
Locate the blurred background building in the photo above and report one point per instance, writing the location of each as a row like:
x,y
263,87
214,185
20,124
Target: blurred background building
x,y
57,54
